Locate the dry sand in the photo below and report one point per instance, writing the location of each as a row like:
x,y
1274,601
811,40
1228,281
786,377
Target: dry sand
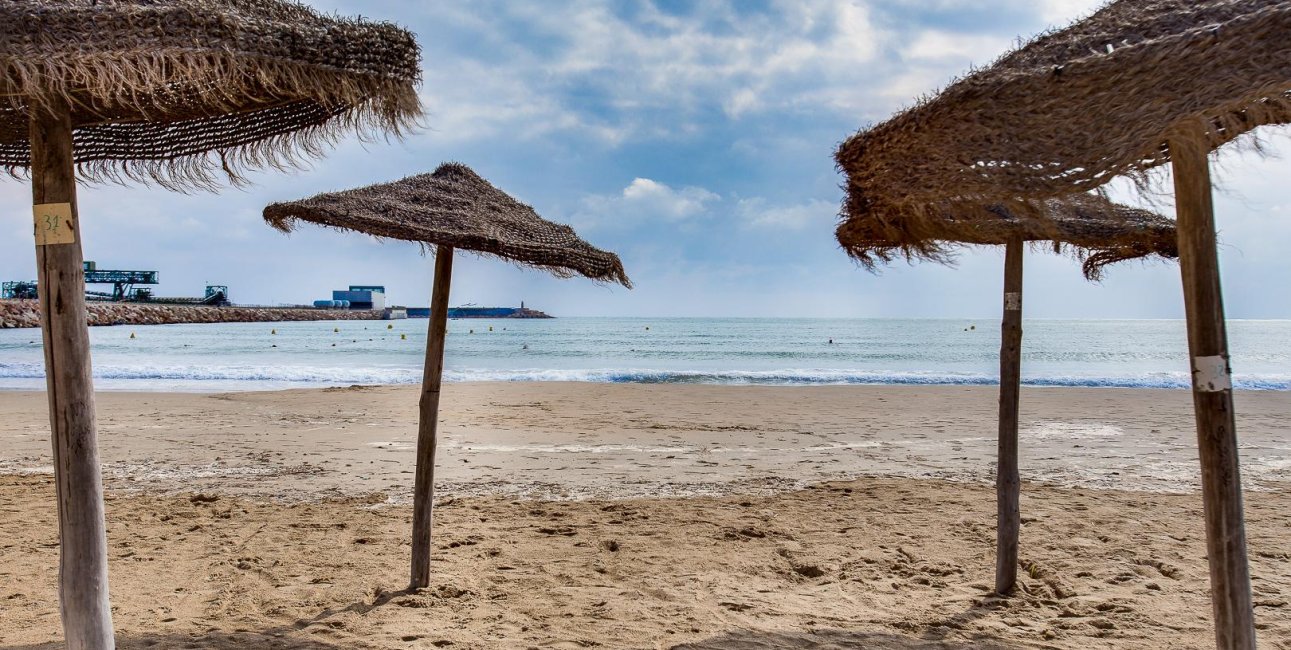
x,y
278,519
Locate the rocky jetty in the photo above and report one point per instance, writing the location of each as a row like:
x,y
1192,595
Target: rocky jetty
x,y
26,313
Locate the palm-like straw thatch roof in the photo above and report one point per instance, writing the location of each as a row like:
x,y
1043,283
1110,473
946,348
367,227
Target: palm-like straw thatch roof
x,y
450,208
1075,108
156,87
1138,84
1098,231
454,207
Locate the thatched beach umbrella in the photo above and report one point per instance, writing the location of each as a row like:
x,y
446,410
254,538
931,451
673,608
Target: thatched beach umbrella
x,y
1094,229
1139,84
177,93
450,208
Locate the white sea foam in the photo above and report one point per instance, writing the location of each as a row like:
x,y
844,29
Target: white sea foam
x,y
272,376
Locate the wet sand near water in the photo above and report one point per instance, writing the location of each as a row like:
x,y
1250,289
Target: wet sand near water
x,y
578,440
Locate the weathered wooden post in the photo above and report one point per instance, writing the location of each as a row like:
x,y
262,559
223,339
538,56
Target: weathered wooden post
x,y
83,550
428,421
1008,484
450,208
1212,395
249,84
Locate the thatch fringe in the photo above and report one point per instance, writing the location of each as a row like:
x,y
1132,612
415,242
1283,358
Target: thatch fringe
x,y
185,93
1089,227
454,206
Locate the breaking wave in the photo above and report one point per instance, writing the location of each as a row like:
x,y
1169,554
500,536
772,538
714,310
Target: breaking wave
x,y
259,377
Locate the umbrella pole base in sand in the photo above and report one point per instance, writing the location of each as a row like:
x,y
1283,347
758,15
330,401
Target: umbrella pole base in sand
x,y
423,497
1008,484
83,551
1212,392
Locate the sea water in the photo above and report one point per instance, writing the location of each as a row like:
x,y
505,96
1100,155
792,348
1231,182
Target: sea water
x,y
251,356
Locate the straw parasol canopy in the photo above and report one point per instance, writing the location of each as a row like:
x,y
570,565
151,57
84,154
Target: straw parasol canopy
x,y
1075,108
449,208
1139,84
1094,229
177,92
1097,231
453,206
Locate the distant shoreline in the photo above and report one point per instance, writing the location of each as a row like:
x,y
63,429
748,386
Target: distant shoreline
x,y
26,313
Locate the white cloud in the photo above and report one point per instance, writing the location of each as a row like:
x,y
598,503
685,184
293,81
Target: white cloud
x,y
613,73
475,100
579,67
1059,13
816,213
672,204
944,46
715,54
646,199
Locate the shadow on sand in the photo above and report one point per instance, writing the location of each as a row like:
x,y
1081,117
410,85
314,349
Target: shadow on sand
x,y
836,640
286,637
211,641
829,639
738,640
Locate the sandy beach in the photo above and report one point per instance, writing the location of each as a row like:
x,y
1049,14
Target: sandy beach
x,y
646,516
581,440
709,424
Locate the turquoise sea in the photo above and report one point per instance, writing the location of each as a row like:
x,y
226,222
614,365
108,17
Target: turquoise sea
x,y
247,356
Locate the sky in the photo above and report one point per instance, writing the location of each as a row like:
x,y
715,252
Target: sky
x,y
695,139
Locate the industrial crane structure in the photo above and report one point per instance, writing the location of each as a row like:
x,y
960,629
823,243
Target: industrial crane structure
x,y
124,288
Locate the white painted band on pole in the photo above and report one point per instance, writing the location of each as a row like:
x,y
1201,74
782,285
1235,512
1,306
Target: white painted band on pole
x,y
1012,301
1211,374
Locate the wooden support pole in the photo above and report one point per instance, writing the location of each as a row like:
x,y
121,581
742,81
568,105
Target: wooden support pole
x,y
428,422
83,550
1212,395
1008,484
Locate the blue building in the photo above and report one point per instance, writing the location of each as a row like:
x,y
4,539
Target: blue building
x,y
363,296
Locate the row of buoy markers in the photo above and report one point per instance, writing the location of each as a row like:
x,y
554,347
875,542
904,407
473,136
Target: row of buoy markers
x,y
337,330
402,337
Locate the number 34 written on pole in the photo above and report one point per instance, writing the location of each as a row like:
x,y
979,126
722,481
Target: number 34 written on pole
x,y
54,223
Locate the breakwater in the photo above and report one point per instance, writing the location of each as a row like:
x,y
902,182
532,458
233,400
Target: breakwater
x,y
26,313
481,312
